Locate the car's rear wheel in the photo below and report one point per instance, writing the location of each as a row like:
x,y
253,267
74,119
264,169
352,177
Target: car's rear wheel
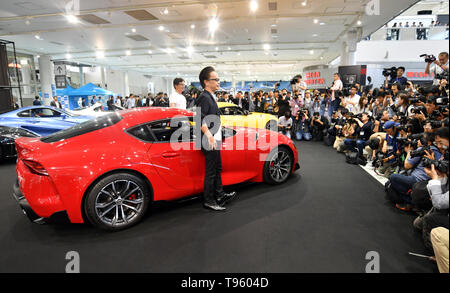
x,y
272,125
278,165
117,202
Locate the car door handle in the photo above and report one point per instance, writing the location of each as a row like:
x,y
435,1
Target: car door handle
x,y
170,155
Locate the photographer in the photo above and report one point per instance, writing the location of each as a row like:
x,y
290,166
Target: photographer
x,y
390,149
434,194
285,124
345,130
400,79
283,104
351,102
380,120
364,130
298,84
402,184
318,125
336,89
439,67
296,104
316,103
303,122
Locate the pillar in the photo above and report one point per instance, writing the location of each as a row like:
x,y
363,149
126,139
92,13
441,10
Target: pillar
x,y
47,78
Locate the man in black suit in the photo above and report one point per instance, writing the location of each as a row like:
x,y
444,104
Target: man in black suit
x,y
211,141
241,101
55,103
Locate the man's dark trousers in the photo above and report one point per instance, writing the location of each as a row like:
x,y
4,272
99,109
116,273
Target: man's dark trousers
x,y
213,179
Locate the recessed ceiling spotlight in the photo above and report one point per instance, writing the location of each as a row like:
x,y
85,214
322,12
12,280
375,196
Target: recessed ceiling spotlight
x,y
311,52
315,35
322,23
150,51
72,18
217,48
229,48
359,22
190,49
166,11
304,3
161,28
133,30
27,22
239,53
68,56
266,47
128,52
316,21
100,54
253,5
38,56
192,26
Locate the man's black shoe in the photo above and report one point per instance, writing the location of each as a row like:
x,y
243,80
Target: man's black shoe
x,y
213,206
226,197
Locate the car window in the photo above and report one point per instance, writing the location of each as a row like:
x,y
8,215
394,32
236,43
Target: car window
x,y
232,111
44,113
142,132
83,128
179,129
26,113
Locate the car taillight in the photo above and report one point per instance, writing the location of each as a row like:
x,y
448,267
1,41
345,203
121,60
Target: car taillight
x,y
35,167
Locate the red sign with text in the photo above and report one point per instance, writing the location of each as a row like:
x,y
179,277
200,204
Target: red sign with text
x,y
314,78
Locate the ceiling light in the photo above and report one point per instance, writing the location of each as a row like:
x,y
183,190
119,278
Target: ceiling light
x,y
68,56
239,53
72,18
27,22
150,51
304,3
229,48
316,21
266,47
161,28
311,52
217,48
170,51
24,62
133,30
253,5
38,37
315,35
213,25
128,52
100,54
322,23
192,26
166,11
38,56
274,25
359,22
190,49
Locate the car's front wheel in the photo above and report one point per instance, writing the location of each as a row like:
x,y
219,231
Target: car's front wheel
x,y
278,166
117,202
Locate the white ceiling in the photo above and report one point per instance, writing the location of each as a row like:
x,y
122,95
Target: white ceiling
x,y
236,48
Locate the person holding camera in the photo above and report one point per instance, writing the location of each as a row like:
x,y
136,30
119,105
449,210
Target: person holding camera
x,y
363,131
439,67
298,84
285,124
403,184
318,125
336,88
283,104
303,122
390,149
399,79
351,102
433,194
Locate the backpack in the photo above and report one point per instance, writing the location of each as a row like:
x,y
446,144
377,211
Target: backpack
x,y
352,158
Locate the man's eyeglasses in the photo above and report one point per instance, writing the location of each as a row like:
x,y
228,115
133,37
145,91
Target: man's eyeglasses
x,y
215,79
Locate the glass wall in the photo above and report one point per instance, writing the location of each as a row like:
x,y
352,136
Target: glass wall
x,y
26,75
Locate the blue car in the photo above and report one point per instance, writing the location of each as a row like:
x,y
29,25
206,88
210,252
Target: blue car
x,y
42,120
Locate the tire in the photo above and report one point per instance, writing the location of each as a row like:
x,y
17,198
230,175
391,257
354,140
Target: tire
x,y
106,209
276,172
272,125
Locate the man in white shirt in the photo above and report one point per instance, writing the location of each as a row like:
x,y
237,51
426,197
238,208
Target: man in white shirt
x,y
285,124
336,87
439,67
351,102
177,100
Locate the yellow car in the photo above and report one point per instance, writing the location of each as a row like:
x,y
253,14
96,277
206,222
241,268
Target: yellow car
x,y
233,115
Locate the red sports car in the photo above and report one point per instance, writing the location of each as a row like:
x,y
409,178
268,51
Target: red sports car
x,y
107,171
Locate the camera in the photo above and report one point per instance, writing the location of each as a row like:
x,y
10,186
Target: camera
x,y
295,79
443,75
390,72
418,110
441,166
442,101
419,152
417,98
428,58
